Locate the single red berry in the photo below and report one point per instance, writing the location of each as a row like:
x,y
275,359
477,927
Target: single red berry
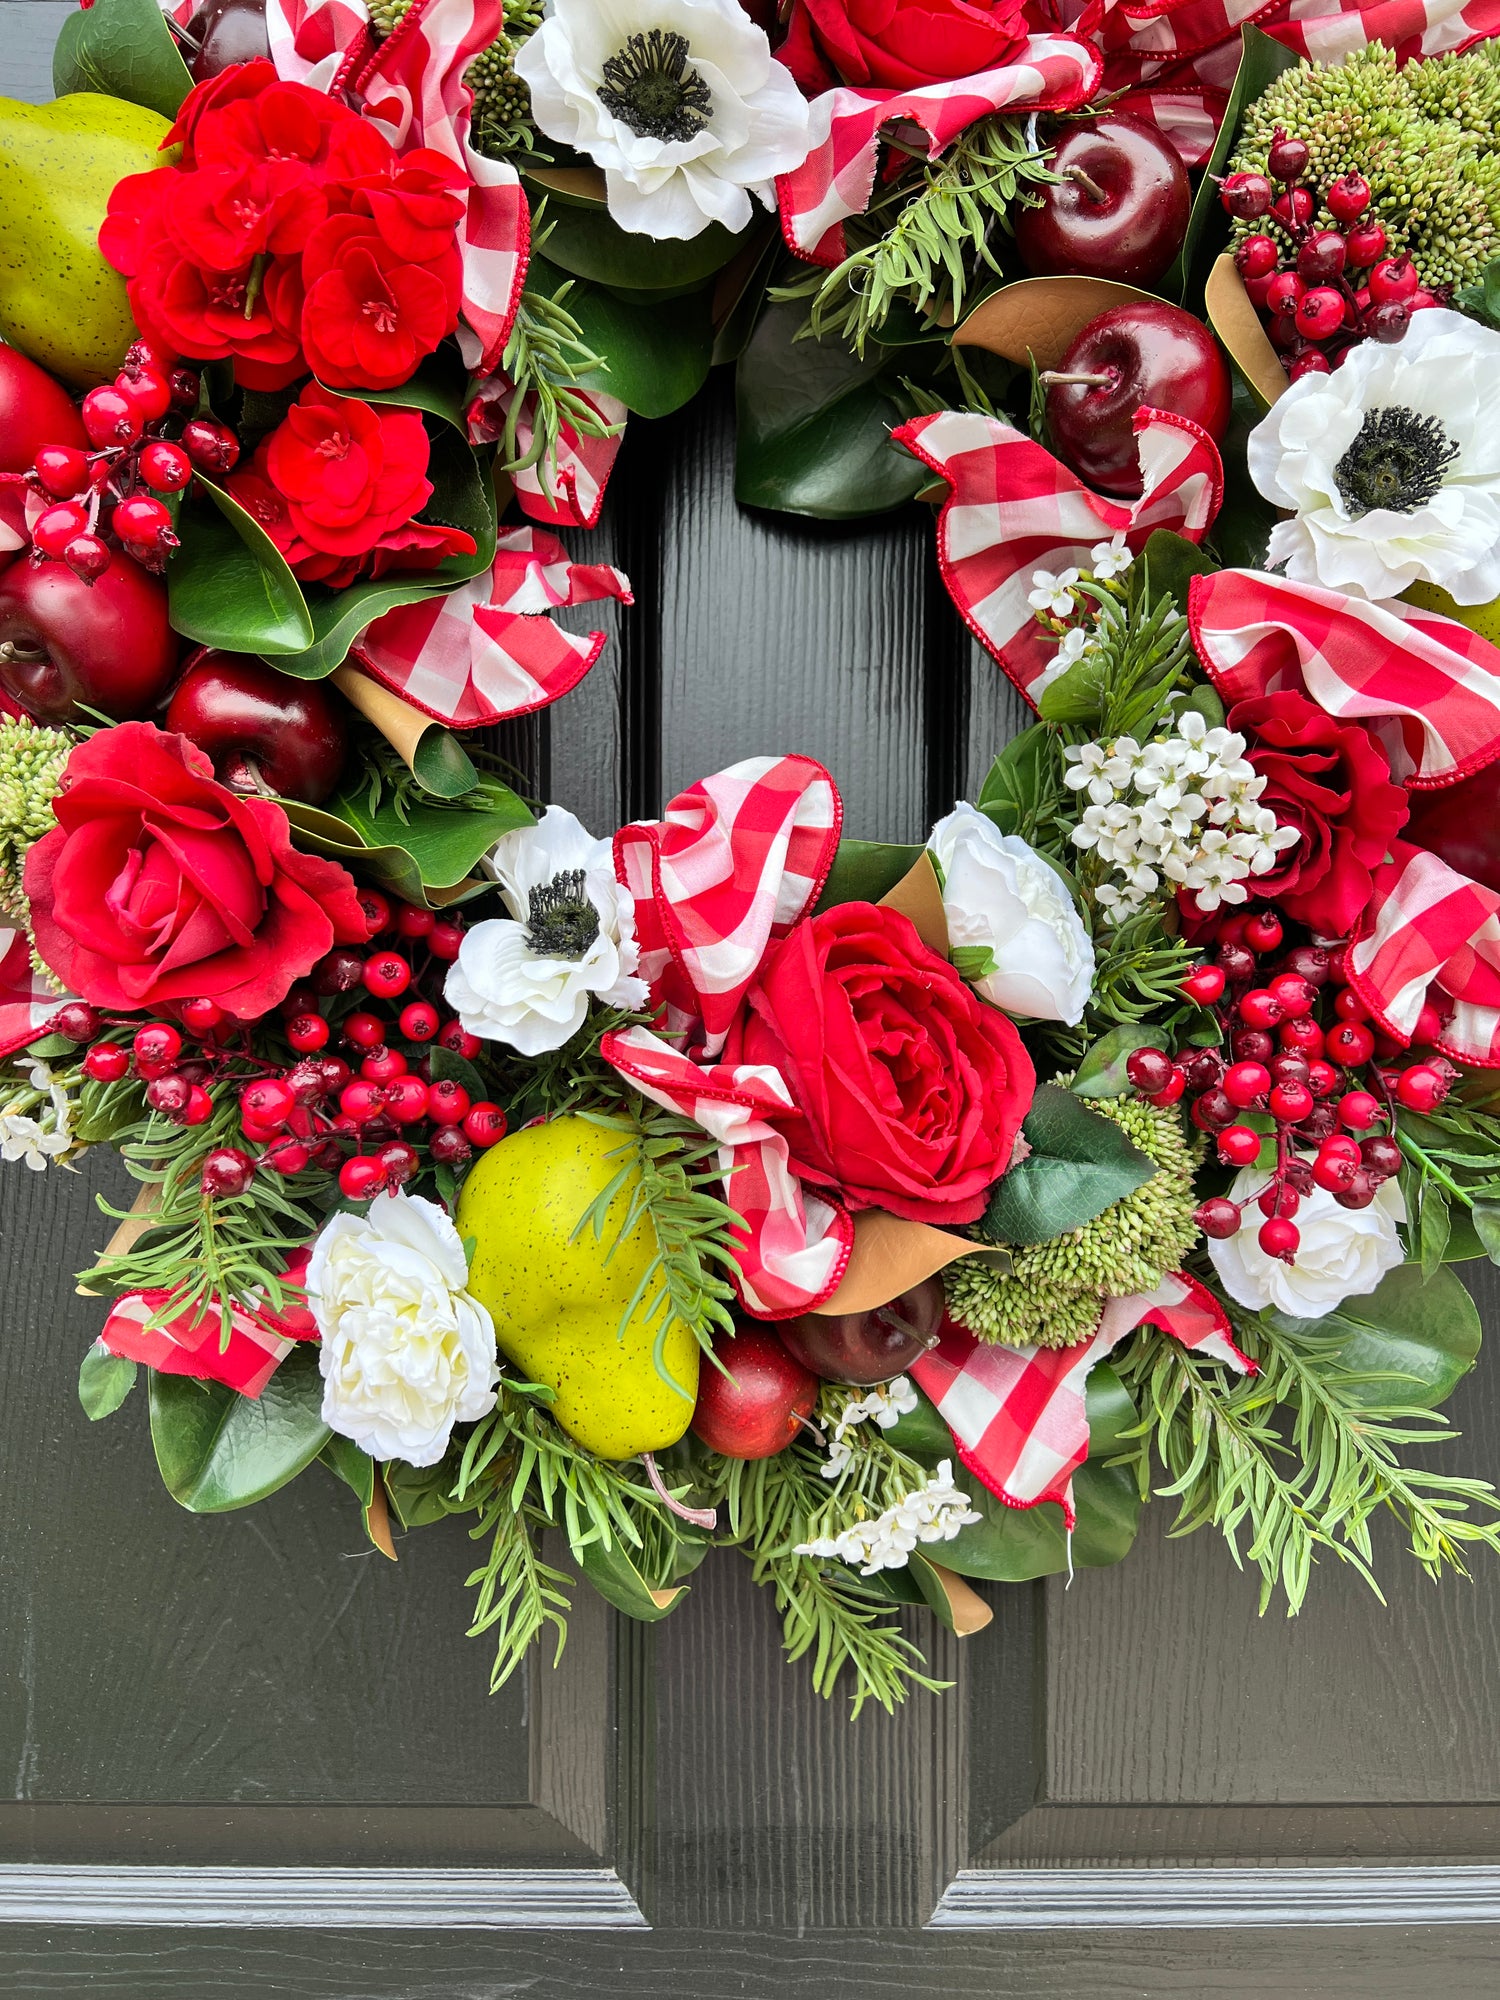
x,y
1367,245
1213,1111
307,1033
412,921
1203,1068
287,1156
147,391
1333,1171
1388,323
57,526
485,1124
1280,1198
88,556
1280,1239
335,1073
1301,1037
108,417
166,468
362,1101
1322,1077
1287,158
364,1030
1238,1146
1420,1088
338,971
449,1147
157,1042
1309,962
455,1037
1284,294
1251,1045
169,1095
212,446
1259,1008
1294,993
1359,1193
406,1099
1321,256
1293,210
1256,257
305,1081
1204,985
1290,1102
62,470
184,382
1358,1111
268,1103
78,1021
106,1062
201,1015
1170,1091
445,940
1255,291
200,1106
361,1177
1311,363
383,1066
1342,1147
1429,1025
1217,1217
1393,279
1380,1157
419,1021
1246,196
448,1103
386,974
397,1162
1320,312
1350,1044
377,911
226,1171
1348,1005
1347,198
1246,1083
1289,1067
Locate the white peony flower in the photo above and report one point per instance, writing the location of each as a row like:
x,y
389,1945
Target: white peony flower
x,y
1391,465
1012,909
679,101
526,979
406,1353
1344,1252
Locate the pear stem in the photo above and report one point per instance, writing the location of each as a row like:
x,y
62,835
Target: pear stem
x,y
701,1517
29,656
1086,181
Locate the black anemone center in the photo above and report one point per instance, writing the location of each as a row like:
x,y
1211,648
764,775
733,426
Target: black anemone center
x,y
1397,462
651,86
561,921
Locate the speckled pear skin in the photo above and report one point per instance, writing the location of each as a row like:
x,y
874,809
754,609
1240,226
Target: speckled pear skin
x,y
557,1305
59,301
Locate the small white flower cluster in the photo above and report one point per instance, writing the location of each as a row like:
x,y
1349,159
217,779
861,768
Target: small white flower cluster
x,y
934,1513
1054,597
1183,807
36,1124
883,1406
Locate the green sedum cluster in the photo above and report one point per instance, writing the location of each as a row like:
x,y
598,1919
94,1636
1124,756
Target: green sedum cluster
x,y
1423,136
502,104
1054,1291
31,762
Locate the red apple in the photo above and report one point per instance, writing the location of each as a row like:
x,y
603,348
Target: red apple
x,y
1147,352
1461,824
868,1347
1119,208
66,644
227,32
756,1410
34,410
266,733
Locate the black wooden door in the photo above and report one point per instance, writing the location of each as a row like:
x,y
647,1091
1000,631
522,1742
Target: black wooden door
x,y
242,1755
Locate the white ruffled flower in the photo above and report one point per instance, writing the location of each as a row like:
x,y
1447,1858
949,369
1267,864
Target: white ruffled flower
x,y
1391,465
679,101
935,1512
406,1353
526,979
1012,911
1343,1252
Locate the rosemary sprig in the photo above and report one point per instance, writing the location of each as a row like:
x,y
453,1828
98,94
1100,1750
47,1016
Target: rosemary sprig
x,y
544,358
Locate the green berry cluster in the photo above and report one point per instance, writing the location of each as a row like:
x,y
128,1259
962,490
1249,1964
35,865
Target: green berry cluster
x,y
1423,136
1054,1292
31,762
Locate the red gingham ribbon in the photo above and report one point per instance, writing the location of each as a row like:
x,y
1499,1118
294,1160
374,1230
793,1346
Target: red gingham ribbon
x,y
258,1342
1014,509
27,1002
487,650
567,492
1018,1414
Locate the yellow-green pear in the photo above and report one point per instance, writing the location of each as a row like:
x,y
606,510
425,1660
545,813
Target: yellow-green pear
x,y
1481,618
59,301
558,1301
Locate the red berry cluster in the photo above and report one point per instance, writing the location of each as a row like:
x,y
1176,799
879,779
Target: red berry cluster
x,y
113,495
362,1117
1340,287
1309,1077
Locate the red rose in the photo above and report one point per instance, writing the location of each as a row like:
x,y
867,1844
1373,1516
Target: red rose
x,y
909,1090
370,317
1331,781
899,44
159,885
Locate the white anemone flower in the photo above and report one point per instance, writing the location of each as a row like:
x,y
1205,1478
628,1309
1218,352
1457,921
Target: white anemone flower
x,y
526,979
1391,465
679,101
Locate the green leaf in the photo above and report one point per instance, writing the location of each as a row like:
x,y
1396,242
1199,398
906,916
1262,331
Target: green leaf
x,y
656,354
1077,695
1166,566
1020,779
228,586
1420,1338
437,388
420,1495
442,766
1261,62
433,848
1079,1164
865,870
121,48
1484,1217
1016,1544
1481,300
356,1468
739,294
921,1432
448,1066
1102,1071
1111,1411
621,1584
218,1450
1243,529
104,1381
815,422
583,237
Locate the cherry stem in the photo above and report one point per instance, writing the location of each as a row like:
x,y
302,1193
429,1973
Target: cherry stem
x,y
701,1517
1053,376
1086,181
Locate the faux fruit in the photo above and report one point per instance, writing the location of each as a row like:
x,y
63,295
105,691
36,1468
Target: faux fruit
x,y
265,732
1143,353
34,412
1119,208
67,644
227,32
556,1303
757,1410
868,1347
60,302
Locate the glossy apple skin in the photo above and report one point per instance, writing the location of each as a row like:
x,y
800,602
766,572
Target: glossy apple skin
x,y
108,644
760,1411
869,1347
34,410
1136,230
228,31
1461,825
265,732
1152,353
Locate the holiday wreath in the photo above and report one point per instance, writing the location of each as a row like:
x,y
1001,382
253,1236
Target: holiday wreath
x,y
901,1215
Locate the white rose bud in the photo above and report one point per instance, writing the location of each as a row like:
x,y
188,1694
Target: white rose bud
x,y
406,1353
1012,924
1343,1252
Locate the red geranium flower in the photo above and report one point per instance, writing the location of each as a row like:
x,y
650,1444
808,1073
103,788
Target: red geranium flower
x,y
369,317
157,884
251,314
899,44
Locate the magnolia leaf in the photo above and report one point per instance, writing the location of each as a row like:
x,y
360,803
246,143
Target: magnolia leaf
x,y
1102,1071
865,870
921,1432
1413,1338
437,388
1015,1544
356,1468
104,1381
435,848
1243,529
581,236
620,1583
218,1450
229,586
1166,566
121,48
655,354
1078,1166
420,1495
